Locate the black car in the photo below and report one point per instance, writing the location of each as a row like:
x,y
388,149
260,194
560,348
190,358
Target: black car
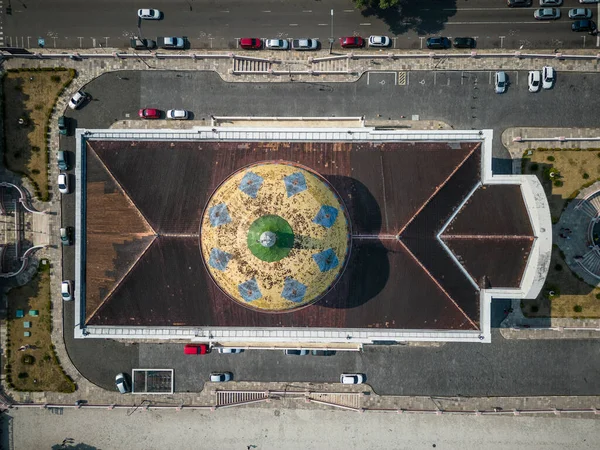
x,y
518,3
62,125
584,25
464,42
438,43
323,352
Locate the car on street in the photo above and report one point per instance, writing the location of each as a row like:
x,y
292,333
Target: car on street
x,y
548,77
77,99
352,42
305,44
500,82
518,3
589,1
122,383
379,41
295,352
66,235
195,349
66,290
177,114
547,14
149,14
438,43
352,378
534,80
584,25
277,44
323,352
63,183
62,125
142,44
464,42
149,113
250,43
221,377
227,350
61,160
551,2
171,42
580,13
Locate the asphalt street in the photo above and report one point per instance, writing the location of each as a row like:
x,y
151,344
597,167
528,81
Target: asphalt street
x,y
219,24
462,99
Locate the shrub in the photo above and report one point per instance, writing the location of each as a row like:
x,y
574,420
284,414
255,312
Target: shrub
x,y
558,183
550,158
534,167
534,308
558,267
598,296
23,375
577,308
28,359
17,155
55,78
35,171
35,149
585,176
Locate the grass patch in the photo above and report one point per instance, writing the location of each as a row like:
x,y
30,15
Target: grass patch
x,y
29,97
36,368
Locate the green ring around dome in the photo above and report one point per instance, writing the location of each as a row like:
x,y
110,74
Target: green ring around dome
x,y
284,238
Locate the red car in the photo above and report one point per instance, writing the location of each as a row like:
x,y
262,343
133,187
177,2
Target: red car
x,y
352,42
149,113
250,43
195,349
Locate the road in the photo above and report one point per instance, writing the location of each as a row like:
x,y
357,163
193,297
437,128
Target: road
x,y
464,100
218,24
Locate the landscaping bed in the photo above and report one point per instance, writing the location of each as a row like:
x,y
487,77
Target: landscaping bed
x,y
29,98
565,294
32,364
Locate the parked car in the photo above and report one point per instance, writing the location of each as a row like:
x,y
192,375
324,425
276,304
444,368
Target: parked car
x,y
551,2
589,1
63,183
323,352
534,80
227,350
547,14
62,125
142,44
352,42
221,377
277,44
352,378
295,352
250,43
177,114
171,42
149,113
66,290
518,3
77,99
379,41
438,43
122,383
500,82
195,349
548,77
580,13
464,42
61,160
149,14
305,44
66,235
584,25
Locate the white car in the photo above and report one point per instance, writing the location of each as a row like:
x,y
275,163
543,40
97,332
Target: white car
x,y
77,99
551,2
277,44
305,44
580,13
66,290
220,377
149,14
548,77
122,383
177,114
230,350
547,14
352,378
500,82
63,183
379,41
534,80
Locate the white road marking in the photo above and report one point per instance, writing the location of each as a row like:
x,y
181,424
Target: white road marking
x,y
307,11
322,24
293,24
365,24
267,11
348,10
224,11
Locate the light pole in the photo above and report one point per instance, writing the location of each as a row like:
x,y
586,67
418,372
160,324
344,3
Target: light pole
x,y
331,36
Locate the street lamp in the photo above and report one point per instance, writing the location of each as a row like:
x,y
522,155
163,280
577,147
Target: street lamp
x,y
331,36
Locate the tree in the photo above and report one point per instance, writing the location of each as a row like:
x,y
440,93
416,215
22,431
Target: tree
x,y
379,4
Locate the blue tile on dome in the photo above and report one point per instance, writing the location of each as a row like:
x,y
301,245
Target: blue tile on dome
x,y
219,259
326,260
249,290
326,216
294,183
293,290
219,215
250,184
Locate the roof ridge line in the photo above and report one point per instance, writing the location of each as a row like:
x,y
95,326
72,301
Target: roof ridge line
x,y
437,283
486,236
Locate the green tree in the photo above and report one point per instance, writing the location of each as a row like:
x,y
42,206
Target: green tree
x,y
381,4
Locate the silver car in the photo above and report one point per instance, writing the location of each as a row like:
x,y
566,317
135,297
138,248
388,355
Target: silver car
x,y
63,183
352,378
580,13
149,14
500,82
221,377
547,14
122,383
66,290
551,2
177,114
379,41
277,44
305,44
534,80
77,99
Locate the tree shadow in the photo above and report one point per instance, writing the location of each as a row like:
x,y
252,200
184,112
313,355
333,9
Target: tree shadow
x,y
423,17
